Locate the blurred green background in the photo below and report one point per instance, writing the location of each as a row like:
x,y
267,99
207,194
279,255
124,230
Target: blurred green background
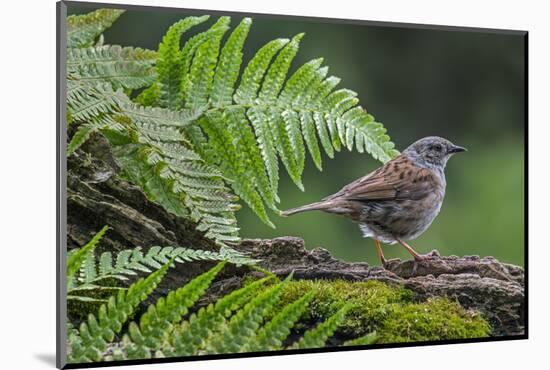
x,y
467,86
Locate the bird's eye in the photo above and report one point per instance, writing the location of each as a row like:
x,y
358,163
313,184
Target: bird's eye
x,y
437,147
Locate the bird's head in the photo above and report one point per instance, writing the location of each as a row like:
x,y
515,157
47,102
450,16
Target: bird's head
x,y
432,151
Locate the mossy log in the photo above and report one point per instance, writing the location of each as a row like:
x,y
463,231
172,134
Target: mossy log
x,y
98,196
484,284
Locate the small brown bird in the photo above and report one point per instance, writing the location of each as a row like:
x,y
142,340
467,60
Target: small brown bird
x,y
398,201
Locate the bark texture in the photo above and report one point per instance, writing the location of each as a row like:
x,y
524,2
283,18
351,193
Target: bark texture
x,y
485,284
98,196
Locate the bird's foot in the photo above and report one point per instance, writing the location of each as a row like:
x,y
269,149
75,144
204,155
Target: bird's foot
x,y
420,257
423,259
428,256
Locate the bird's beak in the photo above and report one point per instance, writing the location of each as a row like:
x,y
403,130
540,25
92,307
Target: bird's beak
x,y
457,149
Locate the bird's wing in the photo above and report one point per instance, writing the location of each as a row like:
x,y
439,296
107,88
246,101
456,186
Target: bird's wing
x,y
397,179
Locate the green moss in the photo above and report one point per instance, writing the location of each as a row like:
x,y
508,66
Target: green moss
x,y
388,310
436,319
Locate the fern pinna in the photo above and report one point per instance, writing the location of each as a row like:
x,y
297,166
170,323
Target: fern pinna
x,y
242,321
91,276
201,123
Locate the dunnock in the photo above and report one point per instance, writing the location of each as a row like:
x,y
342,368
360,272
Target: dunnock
x,y
398,201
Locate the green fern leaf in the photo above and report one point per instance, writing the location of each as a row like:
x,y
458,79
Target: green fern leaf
x,y
259,121
122,67
245,323
82,30
82,134
293,144
204,62
284,146
88,270
298,85
248,89
155,154
191,335
239,131
277,71
76,259
310,91
86,103
234,161
229,65
125,67
322,131
239,127
316,337
272,335
156,324
363,341
308,129
95,271
97,331
142,173
170,63
85,299
150,96
106,55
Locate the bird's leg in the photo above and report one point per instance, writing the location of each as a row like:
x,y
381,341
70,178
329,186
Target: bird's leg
x,y
417,257
380,254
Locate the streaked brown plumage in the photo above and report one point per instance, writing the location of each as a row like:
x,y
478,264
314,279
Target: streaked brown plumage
x,y
398,201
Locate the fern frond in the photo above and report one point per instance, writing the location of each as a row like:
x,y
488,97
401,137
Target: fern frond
x,y
271,336
188,53
149,145
134,160
286,114
283,145
245,323
259,121
85,299
87,103
316,337
77,258
127,67
150,96
293,144
97,331
82,30
229,64
232,159
322,131
169,172
191,335
159,118
130,262
88,271
242,126
156,324
276,74
107,55
362,341
308,129
170,63
238,126
82,134
177,185
204,63
252,76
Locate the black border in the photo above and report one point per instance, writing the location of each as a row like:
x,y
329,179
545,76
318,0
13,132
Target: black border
x,y
61,184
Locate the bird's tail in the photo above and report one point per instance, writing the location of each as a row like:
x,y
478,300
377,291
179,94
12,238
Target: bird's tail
x,y
309,207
